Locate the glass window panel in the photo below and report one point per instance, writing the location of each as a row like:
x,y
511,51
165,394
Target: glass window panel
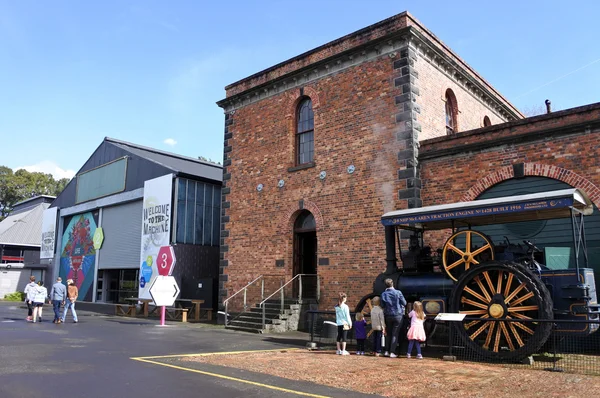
x,y
101,181
200,188
189,212
201,194
216,216
208,211
181,188
180,238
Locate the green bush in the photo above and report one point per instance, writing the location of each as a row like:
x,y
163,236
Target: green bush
x,y
16,296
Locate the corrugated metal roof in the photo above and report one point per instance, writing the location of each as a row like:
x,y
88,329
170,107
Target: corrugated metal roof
x,y
177,163
24,228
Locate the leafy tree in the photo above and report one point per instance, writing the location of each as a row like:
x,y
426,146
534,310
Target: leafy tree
x,y
22,184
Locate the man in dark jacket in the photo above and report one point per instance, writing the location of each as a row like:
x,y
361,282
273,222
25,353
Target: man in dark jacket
x,y
393,309
58,294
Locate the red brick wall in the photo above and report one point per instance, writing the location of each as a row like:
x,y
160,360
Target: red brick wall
x,y
354,125
562,145
433,84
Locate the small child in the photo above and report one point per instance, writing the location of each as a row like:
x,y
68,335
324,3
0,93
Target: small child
x,y
360,333
377,325
416,333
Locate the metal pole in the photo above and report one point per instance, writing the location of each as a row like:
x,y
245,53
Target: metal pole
x,y
262,288
312,327
245,290
226,304
300,290
162,315
264,316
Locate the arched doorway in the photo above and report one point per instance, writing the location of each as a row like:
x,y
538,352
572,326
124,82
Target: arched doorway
x,y
305,252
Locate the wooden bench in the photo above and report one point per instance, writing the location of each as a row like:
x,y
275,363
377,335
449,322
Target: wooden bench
x,y
208,312
125,309
176,313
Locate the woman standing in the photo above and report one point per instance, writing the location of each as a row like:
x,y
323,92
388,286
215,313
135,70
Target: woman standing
x,y
344,323
39,298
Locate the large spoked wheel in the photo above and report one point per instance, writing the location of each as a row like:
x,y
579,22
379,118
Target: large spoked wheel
x,y
365,306
465,249
501,292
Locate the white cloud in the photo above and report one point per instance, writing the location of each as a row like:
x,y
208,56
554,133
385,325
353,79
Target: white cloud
x,y
49,167
170,142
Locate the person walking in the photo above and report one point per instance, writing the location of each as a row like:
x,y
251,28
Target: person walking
x,y
416,333
393,309
29,293
377,325
72,293
40,295
58,294
344,323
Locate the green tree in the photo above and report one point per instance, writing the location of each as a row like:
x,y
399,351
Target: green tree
x,y
22,184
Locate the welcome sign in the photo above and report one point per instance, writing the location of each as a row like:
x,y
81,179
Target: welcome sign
x,y
156,228
48,233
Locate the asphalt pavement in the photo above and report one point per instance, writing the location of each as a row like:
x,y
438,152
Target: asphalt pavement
x,y
93,358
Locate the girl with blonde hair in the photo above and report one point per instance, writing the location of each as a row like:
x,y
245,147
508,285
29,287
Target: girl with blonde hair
x,y
344,323
416,333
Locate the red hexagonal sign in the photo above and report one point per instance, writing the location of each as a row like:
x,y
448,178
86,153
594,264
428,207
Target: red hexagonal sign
x,y
165,260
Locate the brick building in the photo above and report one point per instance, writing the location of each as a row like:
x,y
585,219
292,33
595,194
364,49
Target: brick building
x,y
318,147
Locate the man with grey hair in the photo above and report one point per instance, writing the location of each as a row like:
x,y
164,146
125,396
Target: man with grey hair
x,y
58,294
393,308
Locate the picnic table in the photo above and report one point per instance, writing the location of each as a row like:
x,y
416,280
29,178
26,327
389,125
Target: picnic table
x,y
145,304
195,305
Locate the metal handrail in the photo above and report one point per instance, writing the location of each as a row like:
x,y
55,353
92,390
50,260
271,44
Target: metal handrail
x,y
245,289
280,290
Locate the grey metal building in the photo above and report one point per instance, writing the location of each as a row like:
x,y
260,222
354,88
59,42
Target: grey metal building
x,y
107,194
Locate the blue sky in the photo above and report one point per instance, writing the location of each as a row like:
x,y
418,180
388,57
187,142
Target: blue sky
x,y
145,71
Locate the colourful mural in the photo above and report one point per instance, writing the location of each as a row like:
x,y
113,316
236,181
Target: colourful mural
x,y
78,256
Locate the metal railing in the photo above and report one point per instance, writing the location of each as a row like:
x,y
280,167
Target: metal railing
x,y
561,351
249,294
298,288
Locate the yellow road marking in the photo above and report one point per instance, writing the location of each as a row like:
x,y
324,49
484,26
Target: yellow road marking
x,y
205,354
148,360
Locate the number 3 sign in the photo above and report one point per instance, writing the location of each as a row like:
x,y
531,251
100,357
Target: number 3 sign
x,y
165,260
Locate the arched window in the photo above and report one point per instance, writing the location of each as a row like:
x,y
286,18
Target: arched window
x,y
451,113
305,134
305,222
486,121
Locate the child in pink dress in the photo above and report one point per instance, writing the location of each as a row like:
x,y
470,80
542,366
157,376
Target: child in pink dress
x,y
416,333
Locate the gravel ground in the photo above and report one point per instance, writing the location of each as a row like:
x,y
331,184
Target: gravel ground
x,y
404,377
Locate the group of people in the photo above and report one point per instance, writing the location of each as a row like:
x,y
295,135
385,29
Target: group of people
x,y
36,295
387,314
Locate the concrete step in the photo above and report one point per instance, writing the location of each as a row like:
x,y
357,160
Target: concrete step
x,y
243,329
